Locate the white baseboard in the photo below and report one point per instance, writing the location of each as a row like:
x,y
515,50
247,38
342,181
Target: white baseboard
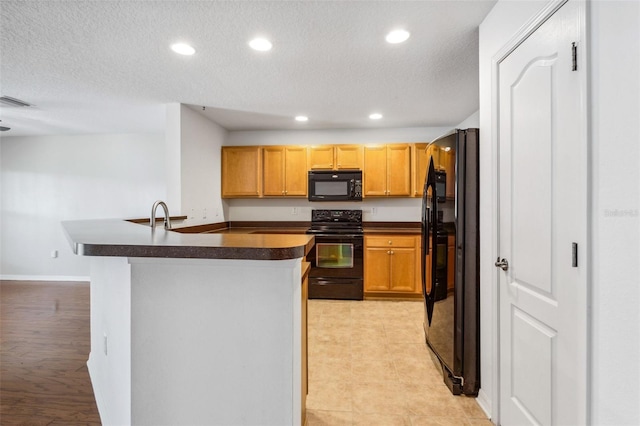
x,y
484,402
43,278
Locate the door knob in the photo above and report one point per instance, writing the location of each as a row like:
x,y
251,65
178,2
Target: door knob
x,y
502,264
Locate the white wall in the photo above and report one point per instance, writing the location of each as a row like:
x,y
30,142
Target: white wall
x,y
473,121
374,209
193,145
614,49
48,179
319,137
201,140
615,287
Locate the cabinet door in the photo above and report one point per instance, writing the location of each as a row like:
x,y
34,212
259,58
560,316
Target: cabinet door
x,y
241,171
349,156
321,157
375,171
295,171
420,165
376,269
399,170
403,267
273,158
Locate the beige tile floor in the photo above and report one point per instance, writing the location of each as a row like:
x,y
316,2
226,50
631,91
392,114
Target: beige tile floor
x,y
369,365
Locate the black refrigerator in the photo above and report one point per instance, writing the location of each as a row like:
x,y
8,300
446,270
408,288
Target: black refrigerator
x,y
450,258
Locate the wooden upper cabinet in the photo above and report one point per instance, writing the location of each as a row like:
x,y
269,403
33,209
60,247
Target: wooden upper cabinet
x,y
335,157
284,171
321,157
399,170
419,167
241,171
295,171
375,171
273,170
348,157
387,170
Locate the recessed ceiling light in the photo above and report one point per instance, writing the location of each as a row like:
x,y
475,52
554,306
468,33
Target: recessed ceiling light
x,y
375,116
302,118
261,44
397,36
183,49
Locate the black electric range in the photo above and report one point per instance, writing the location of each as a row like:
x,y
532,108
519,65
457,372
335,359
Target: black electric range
x,y
337,257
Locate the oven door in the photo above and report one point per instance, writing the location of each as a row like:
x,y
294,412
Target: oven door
x,y
336,267
338,256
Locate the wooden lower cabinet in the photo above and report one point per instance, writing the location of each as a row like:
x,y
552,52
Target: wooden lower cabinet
x,y
392,266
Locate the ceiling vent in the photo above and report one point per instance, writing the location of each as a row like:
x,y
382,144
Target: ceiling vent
x,y
13,102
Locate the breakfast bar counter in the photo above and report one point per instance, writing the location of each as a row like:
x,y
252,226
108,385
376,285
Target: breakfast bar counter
x,y
115,237
193,328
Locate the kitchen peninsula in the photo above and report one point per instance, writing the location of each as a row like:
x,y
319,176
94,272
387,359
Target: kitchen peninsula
x,y
193,328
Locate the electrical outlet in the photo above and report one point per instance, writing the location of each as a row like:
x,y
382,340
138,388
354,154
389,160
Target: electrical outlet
x,y
374,211
54,254
204,213
294,210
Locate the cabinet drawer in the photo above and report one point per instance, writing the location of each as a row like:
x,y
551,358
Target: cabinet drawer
x,y
390,241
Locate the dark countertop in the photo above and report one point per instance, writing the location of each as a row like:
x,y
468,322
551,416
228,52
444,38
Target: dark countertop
x,y
266,227
116,237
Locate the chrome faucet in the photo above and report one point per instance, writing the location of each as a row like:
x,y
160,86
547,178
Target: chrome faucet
x,y
167,219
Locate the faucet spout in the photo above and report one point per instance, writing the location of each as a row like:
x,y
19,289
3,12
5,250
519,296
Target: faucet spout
x,y
167,219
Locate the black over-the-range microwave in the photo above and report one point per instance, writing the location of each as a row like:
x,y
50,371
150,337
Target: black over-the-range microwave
x,y
335,185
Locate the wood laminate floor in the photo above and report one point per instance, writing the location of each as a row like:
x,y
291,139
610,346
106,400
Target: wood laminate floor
x,y
44,347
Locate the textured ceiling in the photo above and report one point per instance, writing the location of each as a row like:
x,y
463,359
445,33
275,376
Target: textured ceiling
x,y
106,66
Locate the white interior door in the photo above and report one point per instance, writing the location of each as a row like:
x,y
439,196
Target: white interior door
x,y
542,212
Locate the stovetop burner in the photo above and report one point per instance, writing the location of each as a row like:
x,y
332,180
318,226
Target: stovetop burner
x,y
336,222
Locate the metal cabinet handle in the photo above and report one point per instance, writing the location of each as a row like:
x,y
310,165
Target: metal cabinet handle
x,y
502,264
390,242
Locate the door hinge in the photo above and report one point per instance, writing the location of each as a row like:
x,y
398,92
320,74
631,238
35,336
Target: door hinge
x,y
574,56
574,255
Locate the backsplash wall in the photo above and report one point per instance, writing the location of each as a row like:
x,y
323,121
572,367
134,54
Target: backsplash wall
x,y
297,209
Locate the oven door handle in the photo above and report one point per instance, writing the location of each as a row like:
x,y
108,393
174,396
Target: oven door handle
x,y
335,236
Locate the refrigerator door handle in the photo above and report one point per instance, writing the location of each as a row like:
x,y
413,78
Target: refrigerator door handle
x,y
429,215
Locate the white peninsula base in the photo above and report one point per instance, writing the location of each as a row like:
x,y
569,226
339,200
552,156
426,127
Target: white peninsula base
x,y
196,341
